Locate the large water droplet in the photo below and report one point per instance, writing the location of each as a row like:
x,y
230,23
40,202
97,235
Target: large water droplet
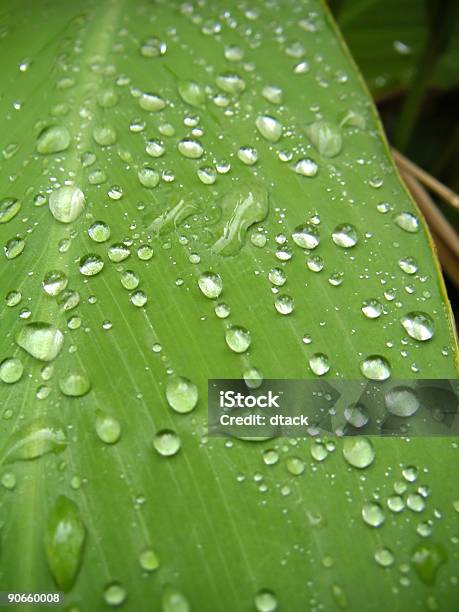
x,y
99,231
358,451
306,167
210,284
54,282
375,367
402,401
231,83
41,340
11,370
66,204
269,127
384,557
192,93
53,140
74,384
151,102
9,208
64,540
408,222
115,594
190,148
167,443
108,429
265,601
373,514
319,364
418,325
181,394
242,207
306,236
345,236
238,338
326,137
91,264
284,304
34,439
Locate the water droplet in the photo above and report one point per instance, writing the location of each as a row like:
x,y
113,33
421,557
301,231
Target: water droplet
x,y
241,208
173,217
375,367
53,139
372,309
66,204
345,236
108,429
108,98
11,370
210,284
408,222
8,480
34,439
319,364
326,137
64,540
395,503
104,135
230,83
54,282
118,252
14,247
248,155
284,304
91,264
408,265
270,457
192,93
269,127
373,514
74,384
207,175
402,401
222,310
99,231
115,594
41,340
149,560
295,465
153,47
155,148
238,338
265,601
306,236
129,280
174,601
319,451
138,298
415,502
418,325
151,102
356,415
277,277
13,298
426,559
181,394
9,208
167,443
148,177
145,252
306,167
358,451
272,94
384,557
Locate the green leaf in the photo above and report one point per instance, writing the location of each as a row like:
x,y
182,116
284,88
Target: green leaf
x,y
193,229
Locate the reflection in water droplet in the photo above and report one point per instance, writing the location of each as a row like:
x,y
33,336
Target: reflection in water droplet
x,y
11,370
41,340
345,236
74,384
108,429
306,236
402,401
269,127
326,137
319,364
375,367
373,514
181,394
66,204
418,325
237,338
64,540
210,284
265,601
306,167
91,264
358,451
53,140
167,443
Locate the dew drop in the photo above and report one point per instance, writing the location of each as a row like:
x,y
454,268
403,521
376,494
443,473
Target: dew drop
x,y
66,204
74,384
210,284
181,394
41,340
99,231
373,514
402,401
167,443
284,304
408,222
269,127
418,325
108,429
11,370
326,137
265,601
319,364
91,264
306,236
345,236
306,167
358,451
375,367
238,338
53,139
9,208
